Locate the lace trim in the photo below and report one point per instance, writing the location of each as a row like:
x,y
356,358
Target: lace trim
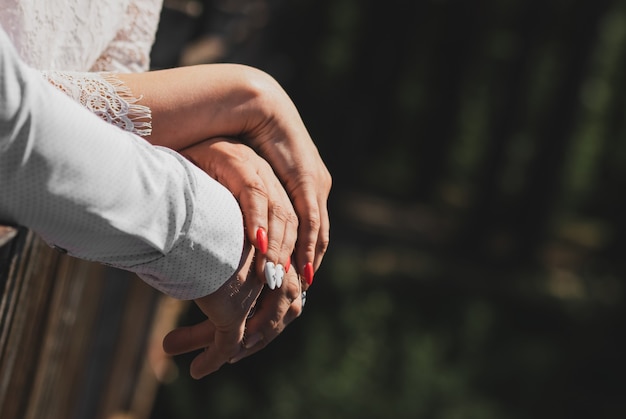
x,y
106,96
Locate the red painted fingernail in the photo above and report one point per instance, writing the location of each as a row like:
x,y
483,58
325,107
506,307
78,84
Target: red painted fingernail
x,y
308,273
288,264
261,239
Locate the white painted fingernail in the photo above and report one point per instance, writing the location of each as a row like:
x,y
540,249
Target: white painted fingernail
x,y
280,274
270,275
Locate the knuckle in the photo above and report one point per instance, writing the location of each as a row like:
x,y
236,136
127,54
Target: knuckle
x,y
279,212
292,218
255,188
273,329
322,245
295,310
327,180
273,250
300,176
293,292
287,249
313,222
310,247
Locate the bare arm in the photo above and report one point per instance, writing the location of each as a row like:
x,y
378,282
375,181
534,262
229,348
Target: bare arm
x,y
192,104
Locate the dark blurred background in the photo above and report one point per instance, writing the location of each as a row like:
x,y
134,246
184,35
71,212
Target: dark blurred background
x,y
478,152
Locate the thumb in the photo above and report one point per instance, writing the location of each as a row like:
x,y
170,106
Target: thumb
x,y
228,342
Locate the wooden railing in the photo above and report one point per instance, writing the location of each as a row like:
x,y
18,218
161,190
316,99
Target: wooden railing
x,y
77,340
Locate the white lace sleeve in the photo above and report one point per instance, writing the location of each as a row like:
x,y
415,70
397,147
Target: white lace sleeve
x,y
106,96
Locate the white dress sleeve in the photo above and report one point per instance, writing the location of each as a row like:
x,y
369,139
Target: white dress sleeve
x,y
106,195
105,96
129,50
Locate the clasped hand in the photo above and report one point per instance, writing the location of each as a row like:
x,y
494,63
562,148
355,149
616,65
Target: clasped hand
x,y
229,333
239,126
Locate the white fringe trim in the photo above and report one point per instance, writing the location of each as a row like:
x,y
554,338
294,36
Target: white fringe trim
x,y
107,96
140,115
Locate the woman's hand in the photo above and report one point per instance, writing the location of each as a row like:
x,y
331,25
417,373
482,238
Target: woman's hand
x,y
192,104
278,134
263,200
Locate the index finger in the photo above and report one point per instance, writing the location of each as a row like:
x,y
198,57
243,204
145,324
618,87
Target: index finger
x,y
313,227
323,237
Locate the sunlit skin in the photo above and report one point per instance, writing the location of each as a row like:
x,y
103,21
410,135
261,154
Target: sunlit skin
x,y
228,334
238,125
193,104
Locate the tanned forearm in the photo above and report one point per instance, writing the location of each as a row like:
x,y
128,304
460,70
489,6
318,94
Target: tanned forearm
x,y
192,104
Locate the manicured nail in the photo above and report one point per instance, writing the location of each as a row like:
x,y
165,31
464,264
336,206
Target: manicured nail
x,y
308,273
237,357
270,275
252,340
261,239
288,264
280,274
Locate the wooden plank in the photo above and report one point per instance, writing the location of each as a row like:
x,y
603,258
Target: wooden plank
x,y
25,301
77,339
65,346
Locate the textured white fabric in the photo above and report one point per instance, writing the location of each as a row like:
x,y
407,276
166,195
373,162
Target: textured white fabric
x,y
65,37
106,96
88,187
82,35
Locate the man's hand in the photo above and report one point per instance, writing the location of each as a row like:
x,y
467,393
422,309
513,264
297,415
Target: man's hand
x,y
228,335
221,335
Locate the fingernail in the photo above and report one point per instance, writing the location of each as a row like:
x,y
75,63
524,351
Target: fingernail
x,y
261,239
270,275
237,357
280,274
308,273
234,359
252,340
288,264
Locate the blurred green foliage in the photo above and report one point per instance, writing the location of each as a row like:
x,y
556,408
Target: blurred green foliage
x,y
476,266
